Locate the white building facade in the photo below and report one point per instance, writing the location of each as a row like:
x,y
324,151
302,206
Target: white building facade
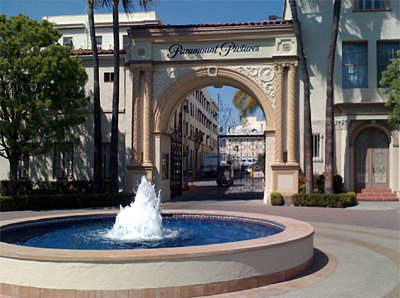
x,y
166,64
366,144
73,161
163,66
246,142
199,128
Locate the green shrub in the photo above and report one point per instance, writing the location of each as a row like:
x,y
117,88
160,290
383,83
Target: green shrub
x,y
299,199
341,200
350,199
277,198
26,187
302,184
316,200
319,183
57,201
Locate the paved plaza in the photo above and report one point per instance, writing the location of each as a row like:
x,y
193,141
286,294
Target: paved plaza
x,y
356,249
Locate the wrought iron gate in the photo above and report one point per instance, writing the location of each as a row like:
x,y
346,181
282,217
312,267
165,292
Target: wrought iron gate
x,y
176,160
241,153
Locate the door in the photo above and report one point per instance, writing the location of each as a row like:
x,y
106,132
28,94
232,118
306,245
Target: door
x,y
371,153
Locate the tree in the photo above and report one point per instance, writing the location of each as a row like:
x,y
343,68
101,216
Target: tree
x,y
245,104
391,81
128,7
98,164
261,161
307,107
41,90
329,118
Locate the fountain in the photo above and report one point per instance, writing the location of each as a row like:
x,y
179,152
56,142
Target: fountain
x,y
186,271
142,218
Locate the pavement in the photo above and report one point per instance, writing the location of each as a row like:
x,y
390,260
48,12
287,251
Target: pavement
x,y
357,249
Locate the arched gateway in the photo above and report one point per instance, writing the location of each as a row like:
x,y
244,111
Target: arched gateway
x,y
167,63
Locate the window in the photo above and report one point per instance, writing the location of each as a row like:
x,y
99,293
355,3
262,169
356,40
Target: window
x,y
386,52
67,42
354,66
63,161
364,5
99,42
108,77
126,42
106,149
317,147
23,168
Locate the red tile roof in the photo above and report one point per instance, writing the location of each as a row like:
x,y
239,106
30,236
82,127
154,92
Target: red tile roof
x,y
215,25
84,52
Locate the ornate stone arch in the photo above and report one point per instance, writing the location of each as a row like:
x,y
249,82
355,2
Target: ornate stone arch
x,y
179,89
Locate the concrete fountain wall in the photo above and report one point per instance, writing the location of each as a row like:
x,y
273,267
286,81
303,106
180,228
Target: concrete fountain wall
x,y
164,272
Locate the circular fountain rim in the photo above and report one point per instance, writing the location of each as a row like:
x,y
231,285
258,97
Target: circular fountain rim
x,y
294,231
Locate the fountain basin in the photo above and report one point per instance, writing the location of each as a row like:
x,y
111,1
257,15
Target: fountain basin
x,y
165,272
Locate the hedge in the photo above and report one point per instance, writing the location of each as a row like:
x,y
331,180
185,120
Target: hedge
x,y
277,199
64,201
319,183
27,187
341,200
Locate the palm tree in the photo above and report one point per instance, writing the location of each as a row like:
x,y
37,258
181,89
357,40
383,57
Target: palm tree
x,y
245,104
128,7
97,167
329,124
307,110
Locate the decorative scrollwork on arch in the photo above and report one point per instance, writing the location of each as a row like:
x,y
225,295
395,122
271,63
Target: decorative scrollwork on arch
x,y
163,77
263,75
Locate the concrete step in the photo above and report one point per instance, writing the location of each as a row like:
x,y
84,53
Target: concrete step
x,y
376,190
376,195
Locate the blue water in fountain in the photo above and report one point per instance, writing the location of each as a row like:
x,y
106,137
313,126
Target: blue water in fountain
x,y
138,226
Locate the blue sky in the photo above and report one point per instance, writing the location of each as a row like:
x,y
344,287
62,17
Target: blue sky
x,y
175,12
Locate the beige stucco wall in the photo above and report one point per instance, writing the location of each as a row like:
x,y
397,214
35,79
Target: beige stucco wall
x,y
367,26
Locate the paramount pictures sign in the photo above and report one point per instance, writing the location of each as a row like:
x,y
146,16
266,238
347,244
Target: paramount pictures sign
x,y
224,50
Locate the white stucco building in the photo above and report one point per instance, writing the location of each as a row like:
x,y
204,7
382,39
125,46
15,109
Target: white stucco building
x,y
200,122
164,64
246,141
75,161
367,146
193,132
76,34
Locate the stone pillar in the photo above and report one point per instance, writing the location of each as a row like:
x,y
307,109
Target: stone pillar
x,y
269,143
291,116
142,128
285,173
147,117
279,113
136,156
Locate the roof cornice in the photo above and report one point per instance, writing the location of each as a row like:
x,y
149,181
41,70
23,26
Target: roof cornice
x,y
174,31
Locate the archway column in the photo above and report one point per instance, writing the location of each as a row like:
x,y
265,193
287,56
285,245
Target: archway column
x,y
142,126
292,115
147,119
136,153
279,113
285,169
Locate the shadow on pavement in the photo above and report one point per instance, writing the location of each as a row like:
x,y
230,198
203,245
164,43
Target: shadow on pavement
x,y
320,261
